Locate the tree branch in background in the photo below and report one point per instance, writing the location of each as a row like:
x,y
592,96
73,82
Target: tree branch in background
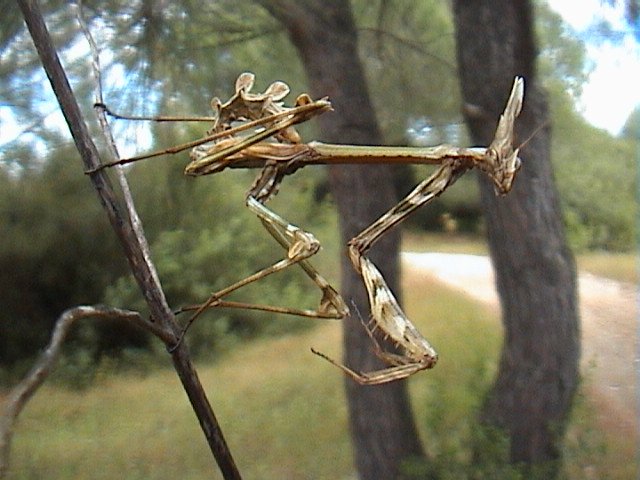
x,y
23,391
129,232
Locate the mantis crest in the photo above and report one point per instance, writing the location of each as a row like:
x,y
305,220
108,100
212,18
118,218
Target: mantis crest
x,y
258,131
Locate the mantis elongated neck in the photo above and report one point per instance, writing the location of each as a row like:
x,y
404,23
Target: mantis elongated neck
x,y
329,153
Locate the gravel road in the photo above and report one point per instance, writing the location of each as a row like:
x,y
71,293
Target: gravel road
x,y
610,359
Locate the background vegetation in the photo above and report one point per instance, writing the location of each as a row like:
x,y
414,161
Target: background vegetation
x,y
56,249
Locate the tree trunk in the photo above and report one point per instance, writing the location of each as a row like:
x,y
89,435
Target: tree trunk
x,y
382,426
535,270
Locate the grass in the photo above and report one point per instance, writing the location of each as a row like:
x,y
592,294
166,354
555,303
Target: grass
x,y
593,449
283,410
271,401
621,266
442,242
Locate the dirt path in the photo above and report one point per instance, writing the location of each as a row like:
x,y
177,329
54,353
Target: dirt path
x,y
610,363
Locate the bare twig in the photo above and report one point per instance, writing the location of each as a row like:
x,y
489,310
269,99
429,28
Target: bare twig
x,y
23,391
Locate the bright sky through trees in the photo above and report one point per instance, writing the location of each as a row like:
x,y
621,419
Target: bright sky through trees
x,y
608,97
611,92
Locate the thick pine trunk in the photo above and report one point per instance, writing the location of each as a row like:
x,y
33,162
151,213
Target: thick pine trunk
x,y
323,31
536,277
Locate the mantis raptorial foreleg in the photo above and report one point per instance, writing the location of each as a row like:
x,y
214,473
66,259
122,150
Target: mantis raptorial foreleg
x,y
299,244
387,315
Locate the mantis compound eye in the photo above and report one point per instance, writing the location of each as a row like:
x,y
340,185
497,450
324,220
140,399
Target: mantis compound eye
x,y
501,171
503,178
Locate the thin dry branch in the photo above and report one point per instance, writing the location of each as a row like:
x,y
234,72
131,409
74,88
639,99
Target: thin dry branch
x,y
23,391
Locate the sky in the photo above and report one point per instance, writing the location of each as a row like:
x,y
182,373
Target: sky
x,y
612,91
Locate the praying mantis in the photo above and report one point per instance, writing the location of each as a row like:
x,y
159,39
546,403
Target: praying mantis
x,y
258,131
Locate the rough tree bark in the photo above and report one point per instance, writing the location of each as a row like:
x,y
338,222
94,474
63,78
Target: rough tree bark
x,y
536,275
323,31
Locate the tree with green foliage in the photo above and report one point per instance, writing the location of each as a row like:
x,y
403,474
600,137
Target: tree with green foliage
x,y
56,250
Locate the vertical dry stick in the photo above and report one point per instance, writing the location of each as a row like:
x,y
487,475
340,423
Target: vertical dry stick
x,y
163,324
